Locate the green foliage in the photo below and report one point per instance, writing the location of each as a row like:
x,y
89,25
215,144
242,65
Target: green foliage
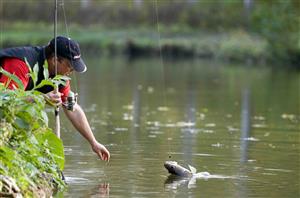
x,y
30,152
54,82
278,21
239,45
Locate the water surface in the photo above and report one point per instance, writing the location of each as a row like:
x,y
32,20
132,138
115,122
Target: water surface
x,y
239,122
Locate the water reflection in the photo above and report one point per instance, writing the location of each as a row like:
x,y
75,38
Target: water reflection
x,y
173,182
245,124
101,191
245,134
136,111
189,135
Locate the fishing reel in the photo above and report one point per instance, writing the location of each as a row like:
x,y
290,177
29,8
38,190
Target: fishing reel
x,y
71,101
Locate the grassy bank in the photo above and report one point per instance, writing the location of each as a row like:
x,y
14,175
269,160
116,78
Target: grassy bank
x,y
31,155
245,31
174,41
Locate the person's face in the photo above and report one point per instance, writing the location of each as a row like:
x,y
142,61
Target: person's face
x,y
64,66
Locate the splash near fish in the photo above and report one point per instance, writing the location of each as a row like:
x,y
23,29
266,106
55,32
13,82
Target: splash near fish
x,y
183,176
175,169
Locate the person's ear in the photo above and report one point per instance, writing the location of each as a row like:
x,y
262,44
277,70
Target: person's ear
x,y
52,60
60,59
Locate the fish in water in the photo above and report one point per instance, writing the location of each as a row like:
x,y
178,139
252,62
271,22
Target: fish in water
x,y
180,175
175,169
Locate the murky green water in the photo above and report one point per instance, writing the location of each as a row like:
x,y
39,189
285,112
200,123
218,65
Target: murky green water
x,y
231,121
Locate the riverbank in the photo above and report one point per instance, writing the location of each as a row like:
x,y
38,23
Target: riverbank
x,y
249,32
32,157
172,42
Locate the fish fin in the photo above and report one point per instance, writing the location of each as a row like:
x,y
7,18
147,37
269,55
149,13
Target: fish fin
x,y
193,169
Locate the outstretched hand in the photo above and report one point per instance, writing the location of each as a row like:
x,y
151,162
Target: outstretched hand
x,y
101,151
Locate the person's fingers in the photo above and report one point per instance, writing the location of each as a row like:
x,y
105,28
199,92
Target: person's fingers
x,y
58,102
106,156
102,152
55,98
100,155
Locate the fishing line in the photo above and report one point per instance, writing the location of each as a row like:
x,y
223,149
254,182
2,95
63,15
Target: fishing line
x,y
65,18
68,35
163,75
55,35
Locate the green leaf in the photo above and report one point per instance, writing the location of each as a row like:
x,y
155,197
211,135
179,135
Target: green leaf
x,y
61,77
13,77
35,73
21,124
55,146
45,117
28,65
46,71
60,80
44,83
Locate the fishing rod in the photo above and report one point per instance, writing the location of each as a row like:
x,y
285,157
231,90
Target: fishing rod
x,y
56,111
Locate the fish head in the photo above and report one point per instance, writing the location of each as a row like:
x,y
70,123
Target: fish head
x,y
171,166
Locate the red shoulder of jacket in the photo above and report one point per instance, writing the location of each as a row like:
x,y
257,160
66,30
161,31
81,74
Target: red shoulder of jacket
x,y
17,67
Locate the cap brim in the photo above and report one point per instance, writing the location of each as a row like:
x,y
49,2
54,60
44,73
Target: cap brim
x,y
79,65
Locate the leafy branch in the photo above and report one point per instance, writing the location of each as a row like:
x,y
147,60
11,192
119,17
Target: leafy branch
x,y
12,77
33,73
53,82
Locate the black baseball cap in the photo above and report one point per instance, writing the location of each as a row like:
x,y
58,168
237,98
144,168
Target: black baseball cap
x,y
68,48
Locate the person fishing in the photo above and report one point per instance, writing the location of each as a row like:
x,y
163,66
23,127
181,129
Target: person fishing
x,y
13,60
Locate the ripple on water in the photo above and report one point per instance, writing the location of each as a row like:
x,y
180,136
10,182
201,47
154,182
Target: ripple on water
x,y
251,139
76,180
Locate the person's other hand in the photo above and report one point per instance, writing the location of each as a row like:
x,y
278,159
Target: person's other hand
x,y
54,98
101,151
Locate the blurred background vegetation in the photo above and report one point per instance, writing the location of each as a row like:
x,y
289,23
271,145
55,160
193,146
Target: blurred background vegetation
x,y
234,30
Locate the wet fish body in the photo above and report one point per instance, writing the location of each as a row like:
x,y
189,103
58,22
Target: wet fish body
x,y
180,175
175,169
